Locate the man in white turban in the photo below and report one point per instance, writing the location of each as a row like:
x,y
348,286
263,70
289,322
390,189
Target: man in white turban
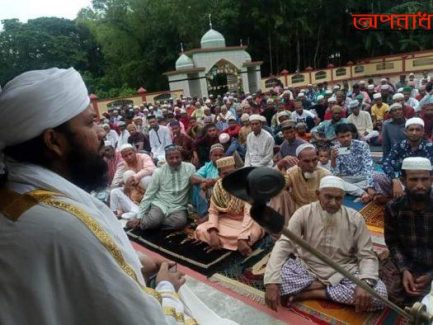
x,y
293,273
77,251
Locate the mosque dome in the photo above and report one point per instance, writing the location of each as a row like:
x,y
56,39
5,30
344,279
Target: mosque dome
x,y
211,39
184,62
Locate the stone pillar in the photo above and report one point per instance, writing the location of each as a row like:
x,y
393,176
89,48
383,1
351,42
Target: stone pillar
x,y
245,83
203,84
142,92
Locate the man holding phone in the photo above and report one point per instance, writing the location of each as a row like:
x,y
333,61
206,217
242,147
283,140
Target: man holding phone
x,y
351,160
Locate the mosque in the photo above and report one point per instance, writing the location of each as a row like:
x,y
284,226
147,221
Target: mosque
x,y
215,68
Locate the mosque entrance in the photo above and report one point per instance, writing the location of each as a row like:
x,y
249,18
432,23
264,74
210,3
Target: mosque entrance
x,y
223,77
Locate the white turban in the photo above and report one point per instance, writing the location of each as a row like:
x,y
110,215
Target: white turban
x,y
38,100
331,182
414,121
302,147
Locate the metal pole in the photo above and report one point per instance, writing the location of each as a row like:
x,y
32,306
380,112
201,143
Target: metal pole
x,y
286,232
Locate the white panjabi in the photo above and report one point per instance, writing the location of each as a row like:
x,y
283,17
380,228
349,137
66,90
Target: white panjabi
x,y
416,163
331,182
38,100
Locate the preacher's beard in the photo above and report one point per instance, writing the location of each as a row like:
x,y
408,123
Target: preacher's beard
x,y
308,175
88,171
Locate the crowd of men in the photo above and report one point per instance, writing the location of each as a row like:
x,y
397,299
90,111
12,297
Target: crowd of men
x,y
164,164
191,144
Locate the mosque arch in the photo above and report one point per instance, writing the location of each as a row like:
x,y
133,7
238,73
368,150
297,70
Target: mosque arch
x,y
223,77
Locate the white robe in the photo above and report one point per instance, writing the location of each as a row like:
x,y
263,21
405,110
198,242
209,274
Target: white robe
x,y
55,271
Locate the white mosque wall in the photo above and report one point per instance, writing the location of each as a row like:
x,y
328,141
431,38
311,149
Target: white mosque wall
x,y
208,59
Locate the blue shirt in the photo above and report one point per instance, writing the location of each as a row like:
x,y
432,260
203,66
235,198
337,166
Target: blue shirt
x,y
392,133
357,163
392,163
328,128
208,170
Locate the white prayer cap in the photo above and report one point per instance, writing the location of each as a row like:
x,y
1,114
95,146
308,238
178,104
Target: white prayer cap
x,y
416,163
384,87
126,146
320,97
270,101
107,143
225,98
377,95
353,103
362,82
398,96
145,110
208,101
301,94
302,147
328,92
249,97
127,174
332,99
331,182
400,90
38,100
182,111
105,125
395,106
255,117
383,80
414,121
224,138
262,119
411,74
370,87
336,87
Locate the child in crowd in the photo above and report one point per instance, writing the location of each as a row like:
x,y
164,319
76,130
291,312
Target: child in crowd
x,y
301,131
324,157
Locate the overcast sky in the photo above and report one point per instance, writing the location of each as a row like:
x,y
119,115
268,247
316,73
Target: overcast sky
x,y
29,9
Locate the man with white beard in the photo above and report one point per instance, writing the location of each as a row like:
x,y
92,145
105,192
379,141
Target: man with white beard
x,y
293,273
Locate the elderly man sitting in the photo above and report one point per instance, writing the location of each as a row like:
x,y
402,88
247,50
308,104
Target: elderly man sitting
x,y
362,121
293,273
230,225
140,163
165,202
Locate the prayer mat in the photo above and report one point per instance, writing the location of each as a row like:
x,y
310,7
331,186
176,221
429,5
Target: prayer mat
x,y
181,247
373,214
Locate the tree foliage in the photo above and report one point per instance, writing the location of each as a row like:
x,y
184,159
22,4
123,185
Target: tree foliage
x,y
120,45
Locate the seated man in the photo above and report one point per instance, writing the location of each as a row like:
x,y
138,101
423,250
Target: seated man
x,y
388,185
182,140
204,180
302,181
409,234
165,202
124,200
291,142
293,273
159,137
362,121
260,144
351,160
140,163
230,225
138,140
325,131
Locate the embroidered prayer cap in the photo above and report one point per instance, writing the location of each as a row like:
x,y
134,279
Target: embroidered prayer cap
x,y
303,147
395,106
398,96
216,146
38,100
245,117
370,87
377,95
127,174
414,121
285,125
225,162
331,182
255,117
224,138
126,146
416,163
353,103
